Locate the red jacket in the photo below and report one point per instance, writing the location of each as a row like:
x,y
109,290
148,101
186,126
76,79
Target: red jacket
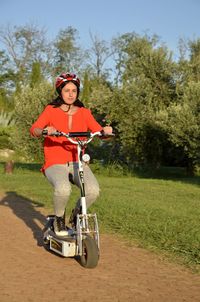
x,y
58,150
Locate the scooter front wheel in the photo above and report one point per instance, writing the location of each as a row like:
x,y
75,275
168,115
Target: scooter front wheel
x,y
90,253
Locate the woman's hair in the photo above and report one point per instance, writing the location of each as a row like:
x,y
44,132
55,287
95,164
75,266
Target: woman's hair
x,y
57,102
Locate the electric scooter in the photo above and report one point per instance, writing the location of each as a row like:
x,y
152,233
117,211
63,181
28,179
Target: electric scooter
x,y
82,241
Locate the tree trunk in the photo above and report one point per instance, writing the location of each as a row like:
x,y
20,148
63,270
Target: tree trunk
x,y
9,166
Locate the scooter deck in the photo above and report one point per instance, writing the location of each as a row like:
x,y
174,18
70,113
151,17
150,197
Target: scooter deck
x,y
65,246
68,238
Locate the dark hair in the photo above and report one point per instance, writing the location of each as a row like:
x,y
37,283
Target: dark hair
x,y
57,102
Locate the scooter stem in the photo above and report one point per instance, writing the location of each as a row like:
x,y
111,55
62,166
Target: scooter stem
x,y
81,178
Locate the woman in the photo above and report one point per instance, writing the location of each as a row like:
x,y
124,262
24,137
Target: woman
x,y
67,114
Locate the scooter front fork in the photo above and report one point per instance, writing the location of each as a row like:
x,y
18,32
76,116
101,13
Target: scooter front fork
x,y
86,225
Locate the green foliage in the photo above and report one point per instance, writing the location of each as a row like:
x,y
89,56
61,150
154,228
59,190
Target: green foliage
x,y
6,80
25,45
194,63
28,106
6,119
6,74
152,103
6,101
183,123
68,54
147,85
85,94
111,169
36,76
7,123
5,137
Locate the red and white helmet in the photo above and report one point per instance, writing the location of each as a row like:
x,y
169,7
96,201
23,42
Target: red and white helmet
x,y
62,79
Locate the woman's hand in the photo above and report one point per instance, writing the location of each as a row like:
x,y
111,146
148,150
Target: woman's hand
x,y
38,131
107,130
50,130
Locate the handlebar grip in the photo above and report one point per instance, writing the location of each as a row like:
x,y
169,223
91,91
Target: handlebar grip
x,y
106,135
79,134
57,133
109,134
44,132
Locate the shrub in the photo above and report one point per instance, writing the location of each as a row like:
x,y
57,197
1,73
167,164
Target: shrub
x,y
28,105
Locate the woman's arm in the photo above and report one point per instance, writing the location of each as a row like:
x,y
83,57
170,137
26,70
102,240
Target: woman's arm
x,y
42,121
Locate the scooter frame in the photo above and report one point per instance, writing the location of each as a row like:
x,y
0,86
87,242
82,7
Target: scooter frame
x,y
83,240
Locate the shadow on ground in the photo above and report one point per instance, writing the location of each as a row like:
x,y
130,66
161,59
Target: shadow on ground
x,y
28,211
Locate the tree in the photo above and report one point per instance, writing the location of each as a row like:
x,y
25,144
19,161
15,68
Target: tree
x,y
6,80
181,120
25,45
149,70
183,125
147,85
188,65
98,54
68,55
119,45
194,61
36,76
86,91
6,126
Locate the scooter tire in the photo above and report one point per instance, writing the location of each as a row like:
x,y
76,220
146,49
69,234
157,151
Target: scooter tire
x,y
90,256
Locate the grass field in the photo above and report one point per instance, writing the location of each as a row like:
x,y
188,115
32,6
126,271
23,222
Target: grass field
x,y
161,212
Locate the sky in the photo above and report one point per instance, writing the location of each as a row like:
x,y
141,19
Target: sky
x,y
169,19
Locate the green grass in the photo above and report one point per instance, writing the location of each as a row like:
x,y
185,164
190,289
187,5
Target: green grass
x,y
161,214
157,214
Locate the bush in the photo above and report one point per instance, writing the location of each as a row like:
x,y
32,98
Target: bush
x,y
6,127
28,105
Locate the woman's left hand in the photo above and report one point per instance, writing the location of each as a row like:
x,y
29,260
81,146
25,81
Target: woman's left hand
x,y
107,130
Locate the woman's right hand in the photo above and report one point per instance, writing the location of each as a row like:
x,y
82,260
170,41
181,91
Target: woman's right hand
x,y
50,130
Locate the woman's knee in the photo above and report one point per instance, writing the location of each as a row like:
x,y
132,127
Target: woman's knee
x,y
93,192
62,190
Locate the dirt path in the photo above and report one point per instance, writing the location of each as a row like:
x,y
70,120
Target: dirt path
x,y
29,273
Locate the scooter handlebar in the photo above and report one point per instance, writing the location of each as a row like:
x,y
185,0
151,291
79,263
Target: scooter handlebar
x,y
78,134
44,132
70,134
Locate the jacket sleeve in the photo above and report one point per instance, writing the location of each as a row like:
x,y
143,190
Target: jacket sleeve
x,y
42,121
92,124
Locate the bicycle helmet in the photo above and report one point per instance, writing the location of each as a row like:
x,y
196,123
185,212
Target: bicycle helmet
x,y
62,80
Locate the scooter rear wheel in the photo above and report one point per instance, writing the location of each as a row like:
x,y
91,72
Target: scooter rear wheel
x,y
90,256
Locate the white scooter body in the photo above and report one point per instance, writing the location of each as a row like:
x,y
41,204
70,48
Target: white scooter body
x,y
83,240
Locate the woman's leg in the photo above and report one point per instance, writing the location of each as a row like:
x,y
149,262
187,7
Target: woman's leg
x,y
91,184
58,176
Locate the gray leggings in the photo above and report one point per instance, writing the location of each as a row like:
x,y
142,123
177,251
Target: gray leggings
x,y
58,176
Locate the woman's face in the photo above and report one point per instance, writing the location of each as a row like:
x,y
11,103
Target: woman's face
x,y
69,93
